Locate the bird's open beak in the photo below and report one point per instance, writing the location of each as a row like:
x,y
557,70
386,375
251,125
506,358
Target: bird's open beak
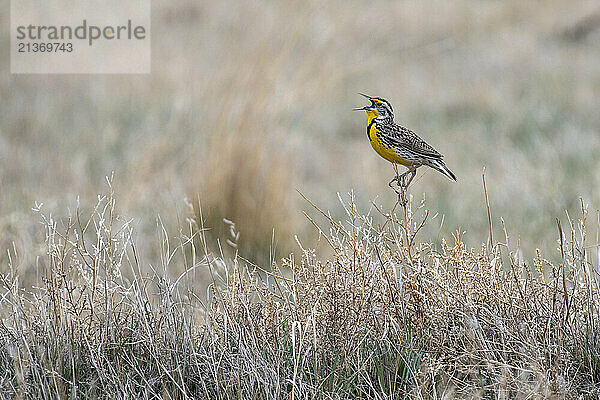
x,y
365,107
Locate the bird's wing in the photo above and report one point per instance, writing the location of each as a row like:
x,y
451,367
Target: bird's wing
x,y
413,142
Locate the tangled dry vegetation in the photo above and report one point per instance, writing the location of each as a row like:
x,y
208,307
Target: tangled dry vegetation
x,y
385,317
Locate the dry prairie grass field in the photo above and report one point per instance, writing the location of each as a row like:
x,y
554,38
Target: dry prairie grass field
x,y
221,227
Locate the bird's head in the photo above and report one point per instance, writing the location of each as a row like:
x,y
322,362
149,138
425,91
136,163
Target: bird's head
x,y
379,108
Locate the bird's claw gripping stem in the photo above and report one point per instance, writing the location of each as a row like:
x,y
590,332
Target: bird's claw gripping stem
x,y
402,186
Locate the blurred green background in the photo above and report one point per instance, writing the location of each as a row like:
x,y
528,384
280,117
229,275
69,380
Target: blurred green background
x,y
249,101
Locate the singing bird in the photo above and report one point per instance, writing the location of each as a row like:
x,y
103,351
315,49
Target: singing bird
x,y
399,145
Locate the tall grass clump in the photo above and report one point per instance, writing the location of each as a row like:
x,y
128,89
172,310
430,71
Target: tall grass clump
x,y
387,316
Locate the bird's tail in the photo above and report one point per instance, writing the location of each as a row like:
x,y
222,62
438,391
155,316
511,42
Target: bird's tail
x,y
440,166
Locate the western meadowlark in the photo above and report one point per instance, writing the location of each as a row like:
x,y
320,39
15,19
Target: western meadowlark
x,y
398,144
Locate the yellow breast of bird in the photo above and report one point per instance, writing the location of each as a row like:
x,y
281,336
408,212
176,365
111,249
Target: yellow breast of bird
x,y
385,151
